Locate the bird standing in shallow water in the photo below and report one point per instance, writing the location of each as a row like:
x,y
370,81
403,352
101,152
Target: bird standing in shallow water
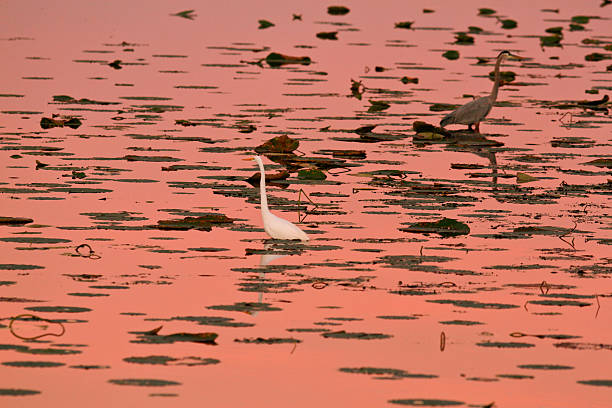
x,y
472,113
275,227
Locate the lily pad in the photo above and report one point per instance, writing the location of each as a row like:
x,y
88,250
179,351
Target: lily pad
x,y
144,382
279,144
445,227
356,335
418,402
451,55
338,10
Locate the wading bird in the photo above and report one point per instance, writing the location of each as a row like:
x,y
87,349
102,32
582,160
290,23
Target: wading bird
x,y
275,227
475,111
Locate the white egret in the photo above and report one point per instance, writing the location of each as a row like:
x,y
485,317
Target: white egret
x,y
276,227
475,111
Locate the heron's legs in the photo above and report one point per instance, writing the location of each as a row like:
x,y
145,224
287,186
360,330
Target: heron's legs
x,y
470,128
477,127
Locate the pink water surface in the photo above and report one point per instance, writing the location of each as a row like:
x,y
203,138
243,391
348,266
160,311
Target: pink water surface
x,y
52,40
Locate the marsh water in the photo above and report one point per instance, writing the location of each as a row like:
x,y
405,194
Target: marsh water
x,y
442,270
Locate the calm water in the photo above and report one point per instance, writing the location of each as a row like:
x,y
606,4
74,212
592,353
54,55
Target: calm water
x,y
516,311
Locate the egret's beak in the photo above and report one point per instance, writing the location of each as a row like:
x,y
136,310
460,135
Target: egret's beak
x,y
249,159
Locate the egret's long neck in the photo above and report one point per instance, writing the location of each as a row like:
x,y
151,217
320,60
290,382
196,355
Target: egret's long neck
x,y
496,82
262,188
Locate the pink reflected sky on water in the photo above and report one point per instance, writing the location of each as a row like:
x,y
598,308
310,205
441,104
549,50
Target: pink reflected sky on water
x,y
45,40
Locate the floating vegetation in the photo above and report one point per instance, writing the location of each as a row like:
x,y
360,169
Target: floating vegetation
x,y
126,203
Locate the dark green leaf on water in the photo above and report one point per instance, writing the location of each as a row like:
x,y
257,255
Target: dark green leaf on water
x,y
264,24
474,304
555,30
311,174
202,223
581,19
576,27
461,322
407,80
378,106
275,60
35,240
58,309
501,344
550,41
356,335
166,361
136,158
607,163
397,317
485,11
475,30
464,39
247,307
15,220
19,267
451,55
559,303
328,35
278,144
385,373
515,376
271,340
597,383
16,392
508,24
338,10
188,14
153,337
597,56
426,402
144,382
404,24
445,227
48,123
90,367
33,364
545,367
440,107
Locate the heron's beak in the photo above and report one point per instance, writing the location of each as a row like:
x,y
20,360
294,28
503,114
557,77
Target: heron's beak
x,y
249,159
515,57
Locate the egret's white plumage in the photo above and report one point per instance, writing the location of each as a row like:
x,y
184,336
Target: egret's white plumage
x,y
475,111
276,227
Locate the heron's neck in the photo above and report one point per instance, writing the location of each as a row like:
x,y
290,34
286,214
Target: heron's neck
x,y
496,81
262,189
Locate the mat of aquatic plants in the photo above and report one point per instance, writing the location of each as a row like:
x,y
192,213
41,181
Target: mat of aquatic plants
x,y
444,267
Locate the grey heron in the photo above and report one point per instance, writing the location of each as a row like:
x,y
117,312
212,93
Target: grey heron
x,y
472,113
